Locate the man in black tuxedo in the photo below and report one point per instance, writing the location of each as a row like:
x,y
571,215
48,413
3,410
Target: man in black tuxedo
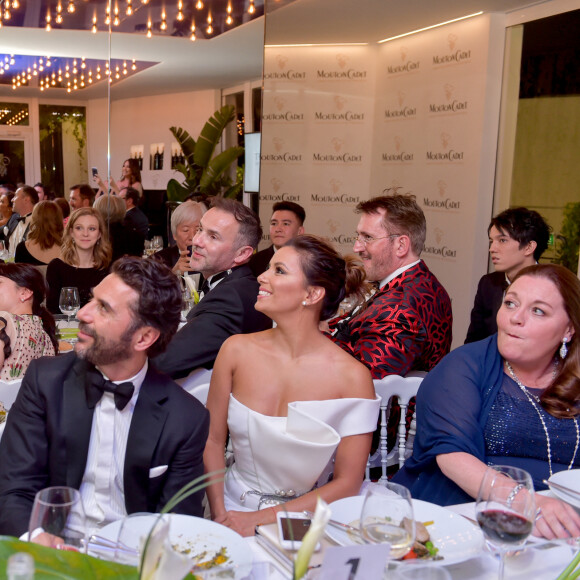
x,y
101,419
517,238
135,219
286,223
221,248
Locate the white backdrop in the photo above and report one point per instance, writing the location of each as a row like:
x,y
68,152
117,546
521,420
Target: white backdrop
x,y
419,115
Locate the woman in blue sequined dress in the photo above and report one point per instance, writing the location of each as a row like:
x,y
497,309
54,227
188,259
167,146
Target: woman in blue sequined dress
x,y
513,398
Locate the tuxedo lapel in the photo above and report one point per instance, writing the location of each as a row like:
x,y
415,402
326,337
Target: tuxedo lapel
x,y
147,425
77,422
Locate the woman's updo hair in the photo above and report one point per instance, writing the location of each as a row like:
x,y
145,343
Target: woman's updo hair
x,y
323,266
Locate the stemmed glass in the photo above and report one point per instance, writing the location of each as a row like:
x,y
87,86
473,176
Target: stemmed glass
x,y
157,243
505,508
387,517
69,301
58,511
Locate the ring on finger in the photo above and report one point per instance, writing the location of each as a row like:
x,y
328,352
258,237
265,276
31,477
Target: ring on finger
x,y
539,514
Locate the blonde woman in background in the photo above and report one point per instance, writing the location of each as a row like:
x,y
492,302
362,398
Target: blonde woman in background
x,y
85,257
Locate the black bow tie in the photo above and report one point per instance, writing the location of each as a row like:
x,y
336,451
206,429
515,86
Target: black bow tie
x,y
96,385
21,219
205,287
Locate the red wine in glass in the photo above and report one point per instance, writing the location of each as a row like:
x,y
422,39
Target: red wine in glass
x,y
502,527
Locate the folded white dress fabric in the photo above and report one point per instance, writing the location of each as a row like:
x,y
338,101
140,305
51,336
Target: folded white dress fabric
x,y
278,458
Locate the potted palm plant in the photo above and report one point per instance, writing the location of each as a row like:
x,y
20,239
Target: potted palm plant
x,y
204,174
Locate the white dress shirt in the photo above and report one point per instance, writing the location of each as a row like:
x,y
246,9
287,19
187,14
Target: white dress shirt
x,y
102,490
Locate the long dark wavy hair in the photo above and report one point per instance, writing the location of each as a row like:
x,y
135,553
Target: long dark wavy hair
x,y
28,276
562,398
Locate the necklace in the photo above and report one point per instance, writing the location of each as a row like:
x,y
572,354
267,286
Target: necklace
x,y
531,400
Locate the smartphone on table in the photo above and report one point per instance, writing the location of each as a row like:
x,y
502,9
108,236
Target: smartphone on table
x,y
292,527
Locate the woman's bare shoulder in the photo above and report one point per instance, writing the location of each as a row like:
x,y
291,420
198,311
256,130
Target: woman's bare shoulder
x,y
356,379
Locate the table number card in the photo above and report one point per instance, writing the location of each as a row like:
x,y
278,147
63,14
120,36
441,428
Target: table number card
x,y
355,562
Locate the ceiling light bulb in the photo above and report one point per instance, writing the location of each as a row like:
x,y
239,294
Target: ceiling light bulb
x,y
180,16
71,7
116,21
193,37
251,7
129,10
58,19
209,18
48,61
15,4
229,19
199,4
209,29
6,14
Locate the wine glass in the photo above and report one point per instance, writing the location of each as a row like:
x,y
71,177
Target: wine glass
x,y
58,511
387,517
157,243
69,301
505,508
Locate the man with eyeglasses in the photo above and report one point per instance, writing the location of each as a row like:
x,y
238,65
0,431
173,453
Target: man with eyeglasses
x,y
406,325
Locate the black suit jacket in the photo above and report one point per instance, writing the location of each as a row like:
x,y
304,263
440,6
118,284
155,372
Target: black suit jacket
x,y
260,260
136,220
226,310
488,299
46,441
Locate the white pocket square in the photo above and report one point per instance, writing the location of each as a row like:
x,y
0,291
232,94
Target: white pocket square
x,y
157,471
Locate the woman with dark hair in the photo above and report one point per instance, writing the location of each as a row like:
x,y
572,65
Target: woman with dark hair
x,y
44,236
5,208
130,177
290,398
510,399
27,329
85,257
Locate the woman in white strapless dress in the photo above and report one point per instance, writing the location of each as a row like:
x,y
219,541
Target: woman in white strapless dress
x,y
297,407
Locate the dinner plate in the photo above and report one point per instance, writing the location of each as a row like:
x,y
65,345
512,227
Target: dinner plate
x,y
194,536
571,479
456,537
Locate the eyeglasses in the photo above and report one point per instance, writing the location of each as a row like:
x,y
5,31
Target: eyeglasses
x,y
365,240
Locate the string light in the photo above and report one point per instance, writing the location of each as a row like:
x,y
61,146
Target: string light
x,y
129,9
94,28
199,5
251,7
71,7
163,25
209,28
229,19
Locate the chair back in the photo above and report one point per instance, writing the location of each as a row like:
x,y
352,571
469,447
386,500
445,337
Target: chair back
x,y
8,392
196,383
404,389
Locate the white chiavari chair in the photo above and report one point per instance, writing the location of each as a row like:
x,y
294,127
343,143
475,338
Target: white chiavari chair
x,y
404,389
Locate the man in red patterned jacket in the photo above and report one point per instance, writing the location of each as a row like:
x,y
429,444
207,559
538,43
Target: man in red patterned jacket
x,y
406,324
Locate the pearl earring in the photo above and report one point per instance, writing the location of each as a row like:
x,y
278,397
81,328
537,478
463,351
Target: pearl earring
x,y
303,302
564,348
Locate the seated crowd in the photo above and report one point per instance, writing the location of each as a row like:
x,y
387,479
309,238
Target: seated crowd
x,y
292,382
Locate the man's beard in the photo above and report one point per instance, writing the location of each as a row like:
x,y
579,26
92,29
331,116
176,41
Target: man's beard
x,y
105,351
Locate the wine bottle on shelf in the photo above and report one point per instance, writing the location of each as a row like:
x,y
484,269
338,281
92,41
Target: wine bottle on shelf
x,y
156,160
161,159
140,161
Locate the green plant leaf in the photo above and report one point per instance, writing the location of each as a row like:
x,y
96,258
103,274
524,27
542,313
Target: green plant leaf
x,y
211,134
186,142
176,191
219,165
51,564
